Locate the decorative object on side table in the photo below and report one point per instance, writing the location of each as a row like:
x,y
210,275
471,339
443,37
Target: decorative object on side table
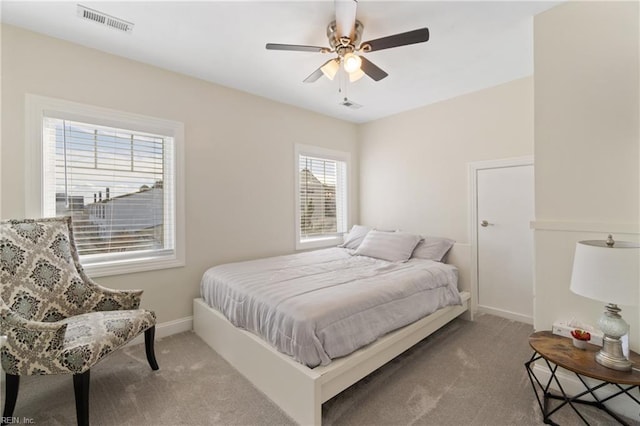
x,y
580,338
608,271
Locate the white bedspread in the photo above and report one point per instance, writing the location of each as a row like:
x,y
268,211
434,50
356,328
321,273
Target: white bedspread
x,y
320,305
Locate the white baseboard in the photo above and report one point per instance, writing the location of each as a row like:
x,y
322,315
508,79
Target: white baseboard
x,y
572,386
167,329
505,314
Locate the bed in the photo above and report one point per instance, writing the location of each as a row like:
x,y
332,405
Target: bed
x,y
320,309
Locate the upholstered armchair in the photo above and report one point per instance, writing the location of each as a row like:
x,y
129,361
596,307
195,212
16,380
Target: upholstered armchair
x,y
56,319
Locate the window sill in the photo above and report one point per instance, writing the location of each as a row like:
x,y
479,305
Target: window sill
x,y
316,243
129,266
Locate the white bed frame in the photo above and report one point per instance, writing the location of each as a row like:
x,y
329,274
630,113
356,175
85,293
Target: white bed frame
x,y
297,389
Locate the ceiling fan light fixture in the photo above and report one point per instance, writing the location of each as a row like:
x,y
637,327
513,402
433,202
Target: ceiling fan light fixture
x,y
356,75
344,35
330,69
351,62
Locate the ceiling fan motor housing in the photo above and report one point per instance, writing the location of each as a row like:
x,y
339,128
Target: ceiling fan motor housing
x,y
344,45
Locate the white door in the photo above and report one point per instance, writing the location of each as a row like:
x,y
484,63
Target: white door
x,y
505,208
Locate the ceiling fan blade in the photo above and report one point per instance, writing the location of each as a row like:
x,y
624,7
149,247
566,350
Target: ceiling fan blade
x,y
345,17
313,76
295,47
410,37
372,70
317,73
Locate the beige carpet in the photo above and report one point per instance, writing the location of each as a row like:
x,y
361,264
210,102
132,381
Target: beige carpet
x,y
465,374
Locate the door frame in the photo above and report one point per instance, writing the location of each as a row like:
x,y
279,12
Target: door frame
x,y
473,170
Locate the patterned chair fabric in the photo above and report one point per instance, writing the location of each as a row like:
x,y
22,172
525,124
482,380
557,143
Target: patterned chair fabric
x,y
56,319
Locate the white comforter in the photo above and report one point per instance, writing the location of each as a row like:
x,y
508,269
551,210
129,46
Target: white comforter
x,y
320,305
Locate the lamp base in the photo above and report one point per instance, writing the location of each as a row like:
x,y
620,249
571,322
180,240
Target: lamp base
x,y
613,327
611,355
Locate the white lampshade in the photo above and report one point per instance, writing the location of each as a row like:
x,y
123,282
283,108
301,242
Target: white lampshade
x,y
607,274
330,68
356,75
352,62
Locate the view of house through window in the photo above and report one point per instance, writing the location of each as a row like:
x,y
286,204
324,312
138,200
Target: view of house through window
x,y
322,196
111,181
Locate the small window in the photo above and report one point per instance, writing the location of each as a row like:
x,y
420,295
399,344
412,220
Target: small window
x,y
321,193
116,175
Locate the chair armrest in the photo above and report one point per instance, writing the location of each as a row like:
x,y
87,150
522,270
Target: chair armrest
x,y
28,341
115,300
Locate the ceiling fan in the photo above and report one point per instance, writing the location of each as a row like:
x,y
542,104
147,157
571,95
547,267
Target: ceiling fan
x,y
345,34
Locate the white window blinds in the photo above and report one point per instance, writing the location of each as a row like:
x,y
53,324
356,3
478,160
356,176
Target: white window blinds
x,y
117,184
322,196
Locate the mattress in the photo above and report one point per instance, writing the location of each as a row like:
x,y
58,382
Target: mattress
x,y
320,305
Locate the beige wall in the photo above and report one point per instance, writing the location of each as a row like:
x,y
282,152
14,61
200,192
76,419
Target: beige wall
x,y
587,146
239,153
413,171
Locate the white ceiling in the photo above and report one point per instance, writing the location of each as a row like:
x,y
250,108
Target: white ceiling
x,y
472,45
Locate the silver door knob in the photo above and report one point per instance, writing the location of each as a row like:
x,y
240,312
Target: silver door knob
x,y
484,224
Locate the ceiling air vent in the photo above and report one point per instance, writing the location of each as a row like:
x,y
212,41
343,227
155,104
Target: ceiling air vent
x,y
104,19
350,104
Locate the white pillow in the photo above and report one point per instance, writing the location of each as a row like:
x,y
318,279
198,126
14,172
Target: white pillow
x,y
433,248
355,237
391,246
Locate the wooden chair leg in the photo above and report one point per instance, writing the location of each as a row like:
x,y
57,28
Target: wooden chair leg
x,y
11,396
149,336
81,389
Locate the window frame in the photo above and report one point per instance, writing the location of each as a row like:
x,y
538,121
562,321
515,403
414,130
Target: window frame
x,y
37,107
328,154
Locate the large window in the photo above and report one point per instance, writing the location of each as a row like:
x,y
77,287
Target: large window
x,y
116,174
321,192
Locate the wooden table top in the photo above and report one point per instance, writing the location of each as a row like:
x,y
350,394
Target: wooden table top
x,y
560,351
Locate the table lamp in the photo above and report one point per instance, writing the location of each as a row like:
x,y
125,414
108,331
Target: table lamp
x,y
608,271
